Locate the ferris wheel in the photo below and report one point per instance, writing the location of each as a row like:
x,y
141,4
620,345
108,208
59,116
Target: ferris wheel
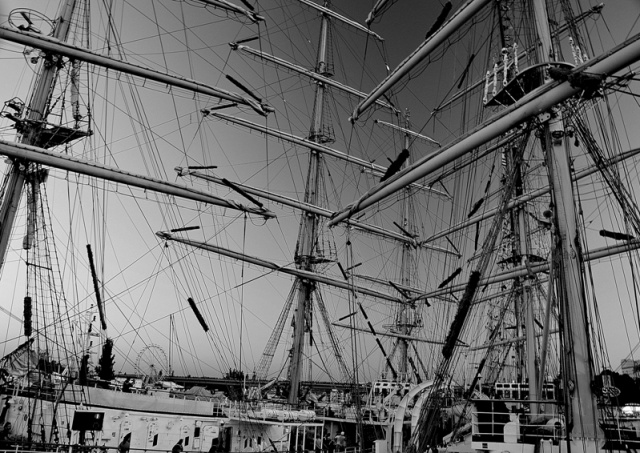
x,y
152,363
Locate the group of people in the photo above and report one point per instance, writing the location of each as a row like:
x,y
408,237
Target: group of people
x,y
337,444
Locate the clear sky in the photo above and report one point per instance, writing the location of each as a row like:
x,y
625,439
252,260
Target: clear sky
x,y
148,128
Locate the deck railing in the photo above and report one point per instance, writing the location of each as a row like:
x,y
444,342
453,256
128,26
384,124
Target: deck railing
x,y
494,426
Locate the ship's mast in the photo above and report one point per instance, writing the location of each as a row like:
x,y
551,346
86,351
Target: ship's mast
x,y
577,371
405,317
524,310
308,234
405,269
22,172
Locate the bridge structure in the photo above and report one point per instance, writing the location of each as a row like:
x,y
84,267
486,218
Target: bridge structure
x,y
226,385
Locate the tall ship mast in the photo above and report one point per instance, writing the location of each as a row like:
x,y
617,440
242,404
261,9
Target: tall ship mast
x,y
308,250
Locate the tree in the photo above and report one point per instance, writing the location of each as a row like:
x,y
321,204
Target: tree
x,y
106,362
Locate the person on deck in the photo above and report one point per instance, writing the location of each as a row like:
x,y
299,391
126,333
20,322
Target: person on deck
x,y
177,448
341,442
